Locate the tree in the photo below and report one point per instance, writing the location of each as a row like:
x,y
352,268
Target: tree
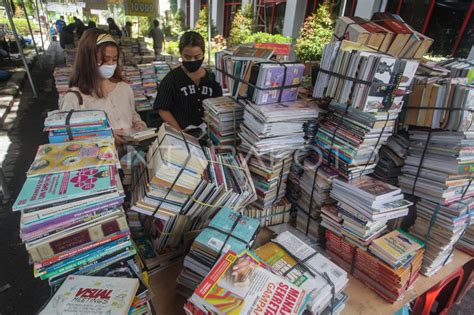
x,y
202,24
242,25
179,22
316,31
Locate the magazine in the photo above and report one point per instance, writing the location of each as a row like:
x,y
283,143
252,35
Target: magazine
x,y
238,284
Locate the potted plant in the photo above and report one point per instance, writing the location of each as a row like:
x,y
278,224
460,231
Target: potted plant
x,y
316,31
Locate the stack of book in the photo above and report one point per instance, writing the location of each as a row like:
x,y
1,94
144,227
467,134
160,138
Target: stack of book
x,y
72,221
161,70
235,65
396,248
466,243
388,282
147,72
97,295
361,115
70,56
365,79
439,166
269,176
459,68
80,125
440,103
228,231
185,200
61,79
126,52
278,213
175,164
148,76
223,116
229,288
266,78
365,205
275,127
391,159
133,76
350,139
440,227
314,188
299,263
386,33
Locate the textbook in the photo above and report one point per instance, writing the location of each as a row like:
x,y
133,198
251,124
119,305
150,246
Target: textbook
x,y
238,284
93,295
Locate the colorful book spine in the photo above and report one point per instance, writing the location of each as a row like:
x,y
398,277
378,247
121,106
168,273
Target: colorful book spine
x,y
74,239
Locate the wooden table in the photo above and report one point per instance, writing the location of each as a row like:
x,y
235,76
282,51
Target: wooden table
x,y
362,300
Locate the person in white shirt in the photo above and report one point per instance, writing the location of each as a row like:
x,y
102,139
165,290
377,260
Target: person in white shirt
x,y
97,83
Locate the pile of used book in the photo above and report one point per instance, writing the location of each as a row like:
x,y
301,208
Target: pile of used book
x,y
72,221
287,274
223,116
82,125
438,168
182,187
61,79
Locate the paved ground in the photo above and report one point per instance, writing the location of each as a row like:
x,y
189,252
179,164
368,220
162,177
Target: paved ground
x,y
20,293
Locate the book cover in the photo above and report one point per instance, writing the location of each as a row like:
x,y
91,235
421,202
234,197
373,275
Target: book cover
x,y
71,156
270,77
294,73
51,188
57,118
238,284
93,295
397,244
214,235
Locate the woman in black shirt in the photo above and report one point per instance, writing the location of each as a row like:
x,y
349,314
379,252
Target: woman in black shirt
x,y
182,90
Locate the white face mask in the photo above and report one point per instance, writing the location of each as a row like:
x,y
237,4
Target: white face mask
x,y
107,71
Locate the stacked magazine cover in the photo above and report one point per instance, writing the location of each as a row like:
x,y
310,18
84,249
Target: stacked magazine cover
x,y
72,221
290,257
223,116
228,231
365,205
133,76
438,170
364,104
183,187
389,282
314,193
61,79
63,126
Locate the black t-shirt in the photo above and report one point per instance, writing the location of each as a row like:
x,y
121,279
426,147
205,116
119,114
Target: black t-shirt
x,y
179,95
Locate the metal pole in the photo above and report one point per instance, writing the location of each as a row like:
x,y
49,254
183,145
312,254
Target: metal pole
x,y
209,31
8,9
29,27
39,22
342,8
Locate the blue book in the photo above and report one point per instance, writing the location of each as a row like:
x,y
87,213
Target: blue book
x,y
83,135
54,189
214,235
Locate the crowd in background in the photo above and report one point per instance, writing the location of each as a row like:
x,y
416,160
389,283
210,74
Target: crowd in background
x,y
67,33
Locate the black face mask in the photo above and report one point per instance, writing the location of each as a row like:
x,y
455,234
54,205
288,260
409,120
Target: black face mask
x,y
193,66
